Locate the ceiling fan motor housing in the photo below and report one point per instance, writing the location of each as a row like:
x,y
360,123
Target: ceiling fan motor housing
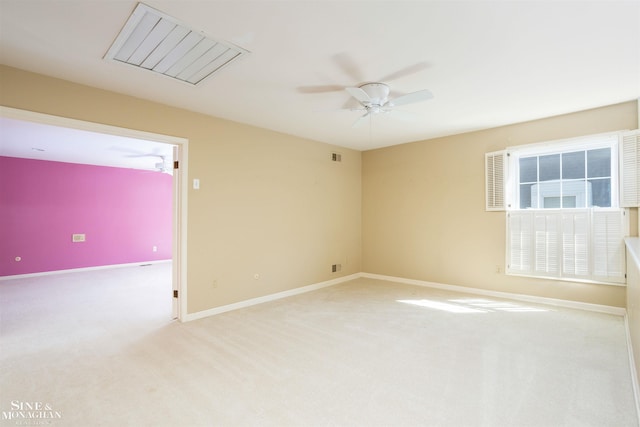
x,y
378,93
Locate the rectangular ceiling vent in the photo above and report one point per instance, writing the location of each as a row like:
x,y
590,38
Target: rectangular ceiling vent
x,y
154,41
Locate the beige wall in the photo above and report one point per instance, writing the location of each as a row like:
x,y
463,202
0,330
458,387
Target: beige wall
x,y
269,203
424,213
275,205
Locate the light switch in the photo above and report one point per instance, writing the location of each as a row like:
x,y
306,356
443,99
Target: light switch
x,y
196,184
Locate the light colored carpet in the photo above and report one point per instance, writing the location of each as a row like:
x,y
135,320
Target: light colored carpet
x,y
364,353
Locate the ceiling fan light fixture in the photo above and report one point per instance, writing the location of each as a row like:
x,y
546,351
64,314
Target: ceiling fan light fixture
x,y
154,41
378,92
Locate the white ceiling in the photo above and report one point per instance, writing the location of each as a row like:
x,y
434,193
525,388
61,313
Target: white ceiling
x,y
488,63
39,141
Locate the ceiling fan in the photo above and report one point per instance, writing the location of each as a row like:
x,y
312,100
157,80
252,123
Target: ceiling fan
x,y
373,97
163,166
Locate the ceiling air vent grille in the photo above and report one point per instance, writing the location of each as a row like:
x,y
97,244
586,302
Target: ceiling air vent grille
x,y
154,41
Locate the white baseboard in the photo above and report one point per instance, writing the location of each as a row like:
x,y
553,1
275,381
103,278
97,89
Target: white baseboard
x,y
619,311
267,298
632,365
74,270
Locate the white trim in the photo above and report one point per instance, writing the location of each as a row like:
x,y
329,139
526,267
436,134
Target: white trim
x,y
181,205
180,225
633,248
268,298
599,140
618,311
76,270
567,279
598,308
632,366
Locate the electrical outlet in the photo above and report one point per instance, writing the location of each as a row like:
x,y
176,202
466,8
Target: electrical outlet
x,y
498,269
214,284
155,249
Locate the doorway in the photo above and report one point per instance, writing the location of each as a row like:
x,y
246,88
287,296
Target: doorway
x,y
178,145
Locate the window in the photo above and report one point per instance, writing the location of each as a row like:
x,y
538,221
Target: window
x,y
569,175
563,219
574,179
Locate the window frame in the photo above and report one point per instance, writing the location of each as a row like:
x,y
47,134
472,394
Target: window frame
x,y
586,143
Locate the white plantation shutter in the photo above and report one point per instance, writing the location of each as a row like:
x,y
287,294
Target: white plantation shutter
x,y
547,239
630,169
577,244
520,242
495,168
608,230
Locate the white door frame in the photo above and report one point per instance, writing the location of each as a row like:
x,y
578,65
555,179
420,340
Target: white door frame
x,y
180,188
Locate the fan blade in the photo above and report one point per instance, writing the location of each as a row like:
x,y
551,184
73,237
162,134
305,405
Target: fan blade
x,y
335,110
359,94
352,104
360,119
412,69
157,152
406,116
421,95
320,89
350,68
124,149
142,155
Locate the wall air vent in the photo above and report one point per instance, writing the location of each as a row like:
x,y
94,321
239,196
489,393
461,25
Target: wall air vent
x,y
154,41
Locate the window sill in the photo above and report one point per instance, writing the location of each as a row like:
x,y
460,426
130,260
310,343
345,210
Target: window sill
x,y
569,279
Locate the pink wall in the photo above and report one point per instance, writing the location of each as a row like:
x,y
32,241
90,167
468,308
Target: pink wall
x,y
123,212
